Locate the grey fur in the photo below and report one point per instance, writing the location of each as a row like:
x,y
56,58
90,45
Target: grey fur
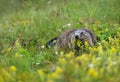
x,y
65,40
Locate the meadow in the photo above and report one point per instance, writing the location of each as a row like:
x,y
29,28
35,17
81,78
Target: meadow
x,y
24,31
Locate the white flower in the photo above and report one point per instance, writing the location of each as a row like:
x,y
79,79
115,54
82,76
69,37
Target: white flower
x,y
37,63
67,25
99,43
59,30
114,62
56,53
98,58
91,65
50,1
42,46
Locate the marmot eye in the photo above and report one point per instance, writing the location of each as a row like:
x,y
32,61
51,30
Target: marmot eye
x,y
81,33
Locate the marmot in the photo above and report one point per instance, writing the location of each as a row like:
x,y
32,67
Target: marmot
x,y
73,40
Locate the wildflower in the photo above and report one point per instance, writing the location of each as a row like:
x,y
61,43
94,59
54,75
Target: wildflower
x,y
57,73
20,81
67,25
16,55
59,30
23,22
95,61
97,22
17,44
112,51
106,30
78,58
84,57
42,46
100,50
93,73
40,72
98,58
71,62
76,66
13,68
69,55
56,53
114,63
61,54
50,1
101,71
111,40
62,60
86,44
5,73
37,63
81,21
99,43
58,70
92,49
91,65
49,81
53,75
1,79
9,49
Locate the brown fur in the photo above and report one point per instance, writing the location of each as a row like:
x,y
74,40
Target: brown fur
x,y
65,40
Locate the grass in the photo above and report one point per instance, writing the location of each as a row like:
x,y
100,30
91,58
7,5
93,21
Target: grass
x,y
25,30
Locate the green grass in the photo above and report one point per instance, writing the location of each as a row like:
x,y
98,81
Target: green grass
x,y
24,30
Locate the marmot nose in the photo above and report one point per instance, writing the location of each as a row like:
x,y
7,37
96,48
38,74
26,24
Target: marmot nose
x,y
76,37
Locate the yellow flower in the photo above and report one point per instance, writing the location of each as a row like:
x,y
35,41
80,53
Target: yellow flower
x,y
97,22
93,73
1,79
95,61
16,55
61,54
62,60
69,55
9,49
84,57
79,43
86,44
5,73
71,62
49,81
40,72
13,68
101,71
20,81
106,29
53,75
23,22
57,73
78,58
58,70
112,51
76,66
100,50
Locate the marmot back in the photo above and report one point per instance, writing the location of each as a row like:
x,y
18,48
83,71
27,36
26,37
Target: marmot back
x,y
69,39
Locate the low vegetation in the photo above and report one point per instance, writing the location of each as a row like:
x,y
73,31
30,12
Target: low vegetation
x,y
25,31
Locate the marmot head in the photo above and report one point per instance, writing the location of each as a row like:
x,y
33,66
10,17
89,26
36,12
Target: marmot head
x,y
84,35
